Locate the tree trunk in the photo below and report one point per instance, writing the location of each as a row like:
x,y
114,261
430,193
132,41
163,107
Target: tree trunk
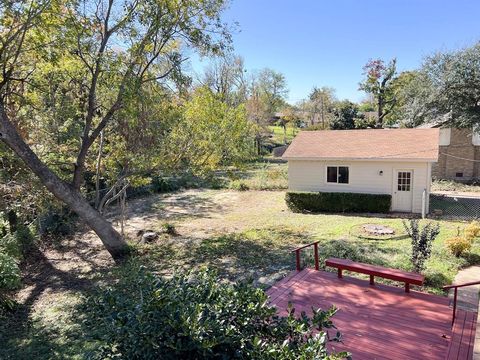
x,y
379,123
112,240
97,172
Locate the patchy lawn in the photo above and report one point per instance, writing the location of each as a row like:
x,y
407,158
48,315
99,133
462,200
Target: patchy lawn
x,y
242,234
252,233
260,176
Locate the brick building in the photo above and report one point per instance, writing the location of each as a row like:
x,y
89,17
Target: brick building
x,y
459,155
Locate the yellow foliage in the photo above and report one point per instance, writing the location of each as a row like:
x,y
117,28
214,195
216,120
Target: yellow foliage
x,y
458,245
472,230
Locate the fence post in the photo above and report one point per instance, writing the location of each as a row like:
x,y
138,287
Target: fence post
x,y
315,250
424,203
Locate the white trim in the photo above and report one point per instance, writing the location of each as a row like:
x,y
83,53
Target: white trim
x,y
337,166
360,159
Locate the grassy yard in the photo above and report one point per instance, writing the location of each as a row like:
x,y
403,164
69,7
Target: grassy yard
x,y
259,176
241,234
279,134
251,234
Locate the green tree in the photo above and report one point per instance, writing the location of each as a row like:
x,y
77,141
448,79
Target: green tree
x,y
267,94
55,34
450,84
345,114
211,133
290,117
378,82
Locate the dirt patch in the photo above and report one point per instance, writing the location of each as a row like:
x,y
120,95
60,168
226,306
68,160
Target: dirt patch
x,y
196,215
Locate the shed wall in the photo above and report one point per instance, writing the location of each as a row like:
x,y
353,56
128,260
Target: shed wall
x,y
364,177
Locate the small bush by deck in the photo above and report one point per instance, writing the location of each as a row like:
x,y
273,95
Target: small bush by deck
x,y
338,202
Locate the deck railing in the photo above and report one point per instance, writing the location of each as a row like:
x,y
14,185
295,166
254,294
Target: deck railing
x,y
315,252
455,287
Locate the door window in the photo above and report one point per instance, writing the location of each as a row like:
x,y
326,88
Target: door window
x,y
404,180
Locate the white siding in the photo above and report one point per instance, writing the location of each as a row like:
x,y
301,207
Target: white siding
x,y
364,177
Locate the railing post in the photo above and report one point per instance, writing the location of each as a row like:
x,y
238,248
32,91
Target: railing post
x,y
454,305
315,250
455,293
297,254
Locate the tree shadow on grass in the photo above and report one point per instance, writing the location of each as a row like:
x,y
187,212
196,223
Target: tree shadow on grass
x,y
24,337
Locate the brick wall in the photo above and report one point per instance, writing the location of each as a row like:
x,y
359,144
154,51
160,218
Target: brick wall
x,y
457,157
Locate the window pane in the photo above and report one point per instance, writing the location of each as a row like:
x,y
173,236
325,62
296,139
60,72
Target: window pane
x,y
332,174
404,181
343,175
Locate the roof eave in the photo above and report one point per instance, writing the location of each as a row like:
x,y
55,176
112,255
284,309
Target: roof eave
x,y
358,159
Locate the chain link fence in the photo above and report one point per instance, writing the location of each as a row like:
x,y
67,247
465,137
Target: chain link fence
x,y
452,206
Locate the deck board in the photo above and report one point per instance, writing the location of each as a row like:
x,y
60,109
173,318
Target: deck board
x,y
377,322
463,337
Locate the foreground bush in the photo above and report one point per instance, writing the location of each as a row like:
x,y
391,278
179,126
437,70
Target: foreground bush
x,y
422,240
197,317
338,202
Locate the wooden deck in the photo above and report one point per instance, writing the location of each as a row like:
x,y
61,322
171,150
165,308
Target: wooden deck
x,y
377,322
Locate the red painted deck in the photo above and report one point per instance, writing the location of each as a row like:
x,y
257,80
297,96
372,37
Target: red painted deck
x,y
377,322
463,337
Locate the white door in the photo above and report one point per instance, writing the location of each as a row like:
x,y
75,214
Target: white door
x,y
402,190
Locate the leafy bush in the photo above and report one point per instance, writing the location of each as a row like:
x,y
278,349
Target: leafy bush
x,y
18,243
57,222
458,245
239,185
422,239
9,272
338,202
165,184
10,246
199,317
472,230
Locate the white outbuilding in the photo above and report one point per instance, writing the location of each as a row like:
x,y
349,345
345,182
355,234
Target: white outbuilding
x,y
397,162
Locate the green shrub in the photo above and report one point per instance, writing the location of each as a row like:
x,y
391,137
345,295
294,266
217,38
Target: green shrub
x,y
165,184
9,272
199,317
422,239
10,246
18,243
337,202
169,228
57,222
239,185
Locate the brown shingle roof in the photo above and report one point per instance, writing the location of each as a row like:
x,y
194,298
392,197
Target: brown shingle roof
x,y
374,144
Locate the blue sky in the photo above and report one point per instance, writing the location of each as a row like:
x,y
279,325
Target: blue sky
x,y
327,42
